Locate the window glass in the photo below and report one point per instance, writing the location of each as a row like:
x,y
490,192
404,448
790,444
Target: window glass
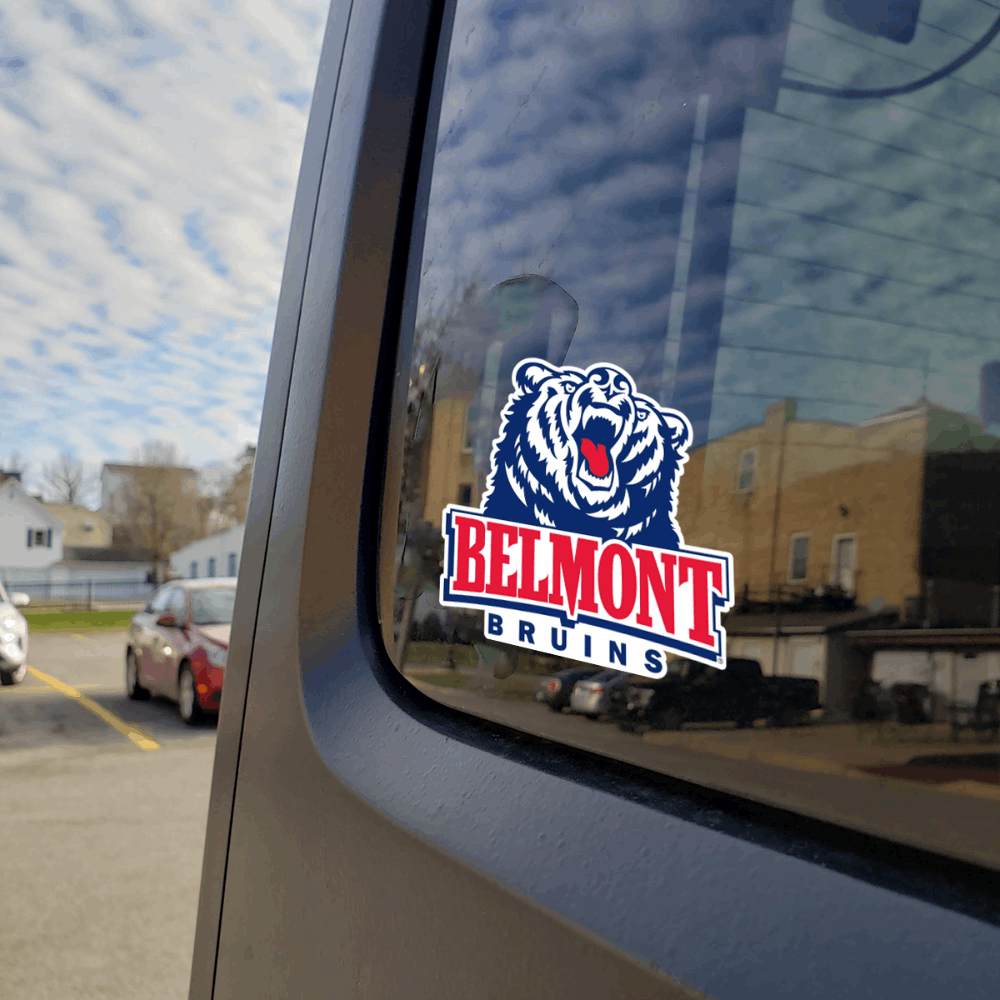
x,y
212,605
177,604
211,567
160,600
231,569
194,571
799,558
744,479
695,240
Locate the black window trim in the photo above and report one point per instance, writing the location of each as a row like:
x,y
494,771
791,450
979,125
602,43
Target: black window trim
x,y
714,889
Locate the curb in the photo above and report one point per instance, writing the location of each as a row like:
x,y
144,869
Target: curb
x,y
817,765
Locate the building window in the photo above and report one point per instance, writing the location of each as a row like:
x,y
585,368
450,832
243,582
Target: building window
x,y
465,494
211,566
798,557
469,430
744,471
231,570
844,562
194,571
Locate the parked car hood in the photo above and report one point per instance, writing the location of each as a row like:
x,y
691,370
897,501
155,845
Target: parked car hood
x,y
217,633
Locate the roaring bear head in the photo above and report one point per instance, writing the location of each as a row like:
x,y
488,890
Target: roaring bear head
x,y
585,452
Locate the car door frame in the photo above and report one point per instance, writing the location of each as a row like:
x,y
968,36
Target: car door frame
x,y
332,865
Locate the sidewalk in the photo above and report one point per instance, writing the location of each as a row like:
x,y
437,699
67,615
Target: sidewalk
x,y
848,750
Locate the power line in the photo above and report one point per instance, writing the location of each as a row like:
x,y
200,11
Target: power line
x,y
803,399
867,185
816,217
906,88
859,137
827,311
794,352
841,268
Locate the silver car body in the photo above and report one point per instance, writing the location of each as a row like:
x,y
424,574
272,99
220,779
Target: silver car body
x,y
589,696
13,636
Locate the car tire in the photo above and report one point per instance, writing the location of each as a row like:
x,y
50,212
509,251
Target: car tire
x,y
745,722
187,696
670,719
133,688
785,718
13,676
555,708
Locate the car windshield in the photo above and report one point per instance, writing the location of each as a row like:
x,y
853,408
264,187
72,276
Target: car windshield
x,y
212,606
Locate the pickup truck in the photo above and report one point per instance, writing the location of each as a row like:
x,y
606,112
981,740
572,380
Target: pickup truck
x,y
694,692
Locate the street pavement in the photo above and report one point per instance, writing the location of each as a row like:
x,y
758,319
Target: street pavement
x,y
103,839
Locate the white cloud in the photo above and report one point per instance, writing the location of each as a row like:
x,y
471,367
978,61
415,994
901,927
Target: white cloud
x,y
146,177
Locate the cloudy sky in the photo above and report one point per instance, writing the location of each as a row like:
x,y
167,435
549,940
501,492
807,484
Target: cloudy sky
x,y
148,164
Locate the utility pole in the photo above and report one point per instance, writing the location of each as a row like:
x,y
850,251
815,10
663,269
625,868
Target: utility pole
x,y
787,406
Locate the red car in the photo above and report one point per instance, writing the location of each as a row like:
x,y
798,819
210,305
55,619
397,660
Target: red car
x,y
177,645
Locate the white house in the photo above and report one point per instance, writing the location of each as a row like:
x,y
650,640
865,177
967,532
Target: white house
x,y
217,555
31,537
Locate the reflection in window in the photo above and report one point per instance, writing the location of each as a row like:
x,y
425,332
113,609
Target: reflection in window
x,y
798,557
843,562
810,274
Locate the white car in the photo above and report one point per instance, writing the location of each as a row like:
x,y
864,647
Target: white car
x,y
590,697
13,638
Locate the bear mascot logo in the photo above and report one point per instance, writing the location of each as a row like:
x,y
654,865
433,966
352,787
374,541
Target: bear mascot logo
x,y
585,452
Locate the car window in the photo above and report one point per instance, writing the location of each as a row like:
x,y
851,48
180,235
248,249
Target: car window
x,y
212,605
177,604
160,601
682,238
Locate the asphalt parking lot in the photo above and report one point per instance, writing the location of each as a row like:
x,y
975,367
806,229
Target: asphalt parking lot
x,y
103,831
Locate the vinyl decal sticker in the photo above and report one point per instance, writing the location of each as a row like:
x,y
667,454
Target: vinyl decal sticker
x,y
576,549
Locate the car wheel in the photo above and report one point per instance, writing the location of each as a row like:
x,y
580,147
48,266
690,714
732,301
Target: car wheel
x,y
133,688
555,708
745,722
671,719
785,718
13,676
187,696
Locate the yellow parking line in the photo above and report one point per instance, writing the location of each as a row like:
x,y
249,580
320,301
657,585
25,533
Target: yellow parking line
x,y
37,689
139,739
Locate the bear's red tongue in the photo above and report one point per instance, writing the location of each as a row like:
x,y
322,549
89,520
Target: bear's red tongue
x,y
596,456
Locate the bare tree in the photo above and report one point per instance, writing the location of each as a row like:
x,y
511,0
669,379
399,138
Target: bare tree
x,y
236,498
66,480
164,508
225,491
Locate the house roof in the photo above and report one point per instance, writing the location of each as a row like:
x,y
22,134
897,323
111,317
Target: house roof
x,y
920,407
129,468
12,486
